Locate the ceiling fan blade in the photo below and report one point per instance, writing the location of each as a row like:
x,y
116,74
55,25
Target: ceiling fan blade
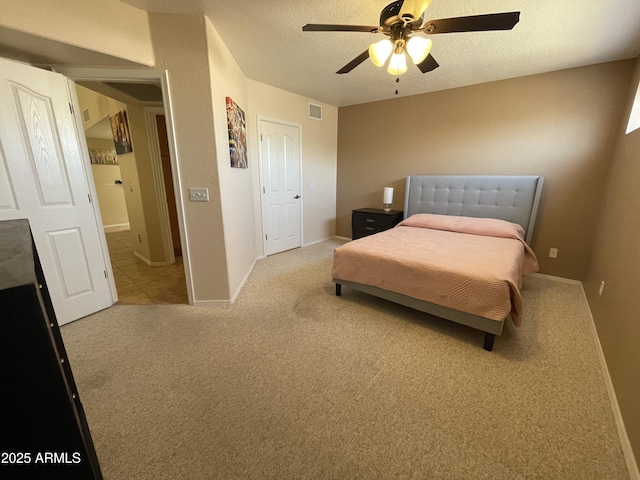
x,y
428,64
474,23
319,27
412,10
354,63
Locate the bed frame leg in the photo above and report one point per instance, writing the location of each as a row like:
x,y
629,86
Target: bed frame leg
x,y
338,289
488,341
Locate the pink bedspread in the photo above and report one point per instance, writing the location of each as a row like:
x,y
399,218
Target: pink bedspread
x,y
474,265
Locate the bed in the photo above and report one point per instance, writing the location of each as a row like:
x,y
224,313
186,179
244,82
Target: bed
x,y
459,254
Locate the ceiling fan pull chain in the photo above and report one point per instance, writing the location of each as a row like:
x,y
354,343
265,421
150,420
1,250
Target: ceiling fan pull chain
x,y
397,81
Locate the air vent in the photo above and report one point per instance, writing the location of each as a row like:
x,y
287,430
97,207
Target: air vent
x,y
315,111
86,117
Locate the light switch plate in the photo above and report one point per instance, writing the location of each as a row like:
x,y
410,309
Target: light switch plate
x,y
199,194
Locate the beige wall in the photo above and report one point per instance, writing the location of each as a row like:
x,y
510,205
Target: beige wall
x,y
181,48
106,26
561,125
99,106
239,188
224,235
236,187
319,156
146,185
135,169
113,208
615,261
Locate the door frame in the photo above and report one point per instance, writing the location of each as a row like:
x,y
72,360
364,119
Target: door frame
x,y
150,114
75,74
260,119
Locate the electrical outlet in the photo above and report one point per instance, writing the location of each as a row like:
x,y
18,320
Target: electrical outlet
x,y
199,194
553,252
601,288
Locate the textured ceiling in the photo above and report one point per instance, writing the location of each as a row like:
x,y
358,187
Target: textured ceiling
x,y
267,41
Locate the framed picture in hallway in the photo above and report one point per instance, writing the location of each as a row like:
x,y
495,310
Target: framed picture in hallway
x,y
103,157
237,135
120,131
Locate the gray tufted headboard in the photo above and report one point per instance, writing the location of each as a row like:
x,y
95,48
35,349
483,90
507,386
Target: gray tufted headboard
x,y
511,198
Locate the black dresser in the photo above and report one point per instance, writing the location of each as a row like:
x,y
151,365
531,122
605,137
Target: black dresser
x,y
367,221
44,432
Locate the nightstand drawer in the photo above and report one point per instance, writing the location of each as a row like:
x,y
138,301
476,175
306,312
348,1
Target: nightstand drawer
x,y
362,219
367,221
364,230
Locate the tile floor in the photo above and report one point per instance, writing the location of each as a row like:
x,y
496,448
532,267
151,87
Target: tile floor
x,y
138,283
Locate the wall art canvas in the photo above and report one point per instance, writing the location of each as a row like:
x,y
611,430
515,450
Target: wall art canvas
x,y
237,135
120,131
103,157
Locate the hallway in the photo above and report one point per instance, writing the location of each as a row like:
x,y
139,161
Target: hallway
x,y
140,284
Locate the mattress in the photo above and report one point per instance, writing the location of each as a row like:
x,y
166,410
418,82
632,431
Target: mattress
x,y
474,265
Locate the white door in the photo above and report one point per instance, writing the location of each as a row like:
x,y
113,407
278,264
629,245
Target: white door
x,y
281,199
43,179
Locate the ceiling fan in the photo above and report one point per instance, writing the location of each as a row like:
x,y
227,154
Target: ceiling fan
x,y
399,21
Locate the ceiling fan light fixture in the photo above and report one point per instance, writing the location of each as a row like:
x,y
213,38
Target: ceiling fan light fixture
x,y
397,64
413,9
418,48
399,21
380,51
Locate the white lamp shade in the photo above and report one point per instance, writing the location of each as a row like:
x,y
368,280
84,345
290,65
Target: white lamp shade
x,y
397,64
387,196
380,51
418,48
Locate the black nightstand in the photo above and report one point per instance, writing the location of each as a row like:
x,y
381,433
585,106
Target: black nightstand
x,y
367,221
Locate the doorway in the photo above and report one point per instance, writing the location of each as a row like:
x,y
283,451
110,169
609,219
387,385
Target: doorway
x,y
138,212
167,177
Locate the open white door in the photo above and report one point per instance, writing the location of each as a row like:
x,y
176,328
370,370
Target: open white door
x,y
43,178
280,163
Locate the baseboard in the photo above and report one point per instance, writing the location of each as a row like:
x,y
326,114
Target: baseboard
x,y
342,238
557,279
244,280
149,262
629,457
231,301
116,227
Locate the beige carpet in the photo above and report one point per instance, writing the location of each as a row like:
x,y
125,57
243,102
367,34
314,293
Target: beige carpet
x,y
292,382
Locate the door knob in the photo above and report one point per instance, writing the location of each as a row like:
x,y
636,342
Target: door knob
x,y
297,196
